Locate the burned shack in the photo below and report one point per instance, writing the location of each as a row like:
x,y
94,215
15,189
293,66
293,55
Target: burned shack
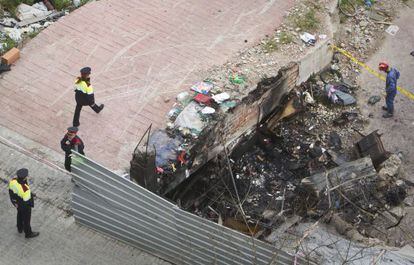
x,y
283,152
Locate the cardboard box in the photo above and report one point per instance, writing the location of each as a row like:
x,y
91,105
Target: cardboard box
x,y
11,56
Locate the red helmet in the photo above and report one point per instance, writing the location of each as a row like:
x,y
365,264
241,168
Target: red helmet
x,y
383,66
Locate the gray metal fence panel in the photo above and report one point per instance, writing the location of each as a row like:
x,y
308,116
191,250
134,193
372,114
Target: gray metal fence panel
x,y
126,211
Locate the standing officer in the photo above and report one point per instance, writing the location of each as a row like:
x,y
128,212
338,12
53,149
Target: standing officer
x,y
84,95
71,142
390,88
22,199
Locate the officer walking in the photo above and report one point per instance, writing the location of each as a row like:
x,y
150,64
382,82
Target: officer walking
x,y
84,95
390,88
22,198
71,142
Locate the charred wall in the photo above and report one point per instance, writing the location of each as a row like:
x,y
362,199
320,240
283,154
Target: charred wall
x,y
258,104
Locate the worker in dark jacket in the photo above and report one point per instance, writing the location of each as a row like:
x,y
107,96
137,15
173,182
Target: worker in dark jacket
x,y
390,88
84,95
22,198
71,142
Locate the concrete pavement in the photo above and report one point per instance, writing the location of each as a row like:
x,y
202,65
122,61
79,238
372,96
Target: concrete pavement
x,y
141,53
61,240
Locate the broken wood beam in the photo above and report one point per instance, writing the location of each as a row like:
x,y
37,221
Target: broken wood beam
x,y
345,176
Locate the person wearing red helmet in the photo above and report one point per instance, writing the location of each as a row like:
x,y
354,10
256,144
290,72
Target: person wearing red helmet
x,y
390,87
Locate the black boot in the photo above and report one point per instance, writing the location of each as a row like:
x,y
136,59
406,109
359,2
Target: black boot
x,y
388,115
384,108
33,234
101,107
97,108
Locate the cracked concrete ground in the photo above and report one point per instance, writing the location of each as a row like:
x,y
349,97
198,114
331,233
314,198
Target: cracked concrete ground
x,y
61,240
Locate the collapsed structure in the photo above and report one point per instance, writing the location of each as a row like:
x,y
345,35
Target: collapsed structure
x,y
304,158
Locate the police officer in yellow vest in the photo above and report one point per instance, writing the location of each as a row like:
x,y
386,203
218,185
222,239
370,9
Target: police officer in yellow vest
x,y
22,198
84,95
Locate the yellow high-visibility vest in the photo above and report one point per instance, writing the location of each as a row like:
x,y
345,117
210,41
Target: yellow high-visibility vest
x,y
13,186
83,87
17,189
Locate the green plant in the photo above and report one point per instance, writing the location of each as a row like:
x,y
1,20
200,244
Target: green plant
x,y
11,5
355,2
308,21
61,4
270,45
285,37
8,43
33,34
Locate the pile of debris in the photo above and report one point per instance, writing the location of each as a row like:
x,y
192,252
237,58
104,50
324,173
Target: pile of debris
x,y
170,149
301,163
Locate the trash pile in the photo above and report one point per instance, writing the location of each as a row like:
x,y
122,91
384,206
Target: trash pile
x,y
189,117
305,162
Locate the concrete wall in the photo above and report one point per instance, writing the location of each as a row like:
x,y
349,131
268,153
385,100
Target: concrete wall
x,y
314,62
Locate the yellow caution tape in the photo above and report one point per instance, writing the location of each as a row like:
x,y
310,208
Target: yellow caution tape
x,y
403,91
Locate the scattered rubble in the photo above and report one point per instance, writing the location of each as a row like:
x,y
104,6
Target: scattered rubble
x,y
374,100
392,30
308,38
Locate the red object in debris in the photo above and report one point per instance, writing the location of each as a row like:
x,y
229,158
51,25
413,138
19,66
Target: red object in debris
x,y
203,99
159,170
181,158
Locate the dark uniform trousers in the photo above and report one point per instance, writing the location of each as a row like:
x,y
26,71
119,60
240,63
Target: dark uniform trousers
x,y
83,99
24,214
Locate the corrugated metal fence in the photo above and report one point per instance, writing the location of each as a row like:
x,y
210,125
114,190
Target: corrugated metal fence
x,y
124,210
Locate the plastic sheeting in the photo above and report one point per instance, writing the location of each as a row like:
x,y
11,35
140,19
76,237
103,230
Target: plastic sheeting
x,y
166,148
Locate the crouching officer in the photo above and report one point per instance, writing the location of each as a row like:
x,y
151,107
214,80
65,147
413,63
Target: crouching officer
x,y
84,95
22,198
71,142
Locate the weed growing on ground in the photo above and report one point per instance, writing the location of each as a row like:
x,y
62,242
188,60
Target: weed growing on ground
x,y
7,44
307,21
270,45
33,34
61,4
11,5
285,38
